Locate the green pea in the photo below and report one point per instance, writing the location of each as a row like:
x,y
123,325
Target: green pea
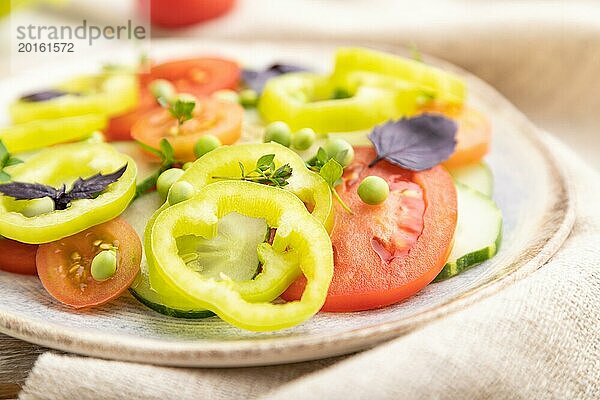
x,y
180,191
104,265
37,207
227,95
161,88
166,180
279,132
205,144
340,150
248,98
303,139
373,190
187,165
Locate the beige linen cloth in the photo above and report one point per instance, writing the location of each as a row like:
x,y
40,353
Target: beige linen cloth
x,y
536,339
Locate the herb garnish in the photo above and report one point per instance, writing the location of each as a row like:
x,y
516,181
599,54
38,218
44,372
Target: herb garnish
x,y
44,95
88,188
265,173
181,110
416,143
6,160
256,80
331,171
167,158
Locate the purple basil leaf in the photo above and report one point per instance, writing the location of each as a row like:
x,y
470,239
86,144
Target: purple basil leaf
x,y
90,187
43,95
416,143
256,80
28,191
82,189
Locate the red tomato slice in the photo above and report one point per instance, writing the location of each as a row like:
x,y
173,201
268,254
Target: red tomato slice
x,y
17,257
220,118
64,266
386,253
166,14
472,138
198,76
119,127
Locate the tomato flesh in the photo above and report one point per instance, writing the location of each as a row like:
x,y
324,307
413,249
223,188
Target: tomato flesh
x,y
119,127
163,13
473,136
198,76
386,253
64,266
17,257
220,118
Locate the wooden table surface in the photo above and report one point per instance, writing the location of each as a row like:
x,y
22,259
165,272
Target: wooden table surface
x,y
16,359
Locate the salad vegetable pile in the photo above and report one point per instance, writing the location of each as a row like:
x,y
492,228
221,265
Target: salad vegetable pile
x,y
258,196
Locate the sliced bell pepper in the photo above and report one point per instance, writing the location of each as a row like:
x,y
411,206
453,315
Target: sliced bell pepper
x,y
62,165
442,85
105,94
308,100
225,162
300,242
47,132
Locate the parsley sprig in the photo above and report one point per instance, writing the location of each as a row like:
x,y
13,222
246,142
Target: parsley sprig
x,y
167,158
264,173
331,171
181,110
6,160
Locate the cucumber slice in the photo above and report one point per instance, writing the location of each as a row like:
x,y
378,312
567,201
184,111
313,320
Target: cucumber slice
x,y
142,291
231,254
478,232
477,176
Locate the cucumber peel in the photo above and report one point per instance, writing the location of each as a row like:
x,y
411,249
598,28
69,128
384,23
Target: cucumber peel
x,y
143,293
478,232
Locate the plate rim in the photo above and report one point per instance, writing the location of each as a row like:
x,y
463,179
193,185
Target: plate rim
x,y
269,351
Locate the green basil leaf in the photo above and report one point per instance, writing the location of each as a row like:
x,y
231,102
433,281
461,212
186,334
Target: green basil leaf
x,y
167,151
151,149
13,161
265,161
331,172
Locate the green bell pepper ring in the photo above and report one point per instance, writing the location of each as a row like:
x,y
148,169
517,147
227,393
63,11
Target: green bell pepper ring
x,y
47,132
306,100
224,162
301,241
443,86
59,165
105,94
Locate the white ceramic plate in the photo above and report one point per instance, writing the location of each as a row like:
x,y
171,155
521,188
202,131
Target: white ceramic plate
x,y
529,188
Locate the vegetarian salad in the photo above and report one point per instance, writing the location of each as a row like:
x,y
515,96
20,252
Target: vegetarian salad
x,y
259,196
